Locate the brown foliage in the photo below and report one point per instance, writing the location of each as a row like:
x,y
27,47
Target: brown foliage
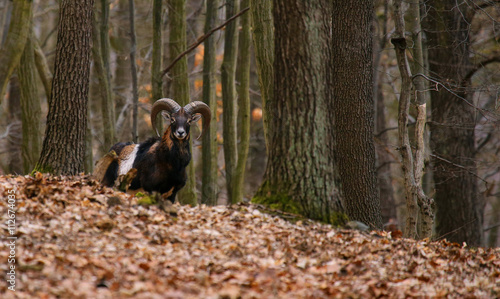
x,y
73,243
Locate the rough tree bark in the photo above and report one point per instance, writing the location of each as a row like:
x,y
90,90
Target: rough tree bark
x,y
63,149
459,208
209,141
228,72
299,176
180,83
352,99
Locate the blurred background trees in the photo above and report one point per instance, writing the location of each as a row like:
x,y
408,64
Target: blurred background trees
x,y
282,81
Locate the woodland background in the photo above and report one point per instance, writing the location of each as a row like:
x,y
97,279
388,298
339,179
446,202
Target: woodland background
x,y
453,50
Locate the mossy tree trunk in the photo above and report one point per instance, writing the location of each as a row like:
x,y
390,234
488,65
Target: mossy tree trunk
x,y
228,77
31,108
209,141
263,45
180,83
300,171
243,78
352,98
12,49
63,150
459,215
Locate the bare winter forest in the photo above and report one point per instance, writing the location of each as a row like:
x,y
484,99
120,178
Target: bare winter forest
x,y
376,116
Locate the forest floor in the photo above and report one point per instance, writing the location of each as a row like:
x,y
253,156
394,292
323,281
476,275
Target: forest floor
x,y
76,239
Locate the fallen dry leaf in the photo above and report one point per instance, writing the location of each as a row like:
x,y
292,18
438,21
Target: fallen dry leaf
x,y
79,239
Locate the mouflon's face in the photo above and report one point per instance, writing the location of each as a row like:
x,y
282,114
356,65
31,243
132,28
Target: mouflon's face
x,y
180,123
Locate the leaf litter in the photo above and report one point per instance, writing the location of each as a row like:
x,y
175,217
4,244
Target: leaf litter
x,y
77,239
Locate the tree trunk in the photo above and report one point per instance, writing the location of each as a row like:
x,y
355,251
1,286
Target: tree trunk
x,y
384,157
89,157
12,49
426,214
243,78
299,176
459,209
122,79
43,67
133,69
157,60
228,71
417,203
105,98
209,141
263,42
63,150
180,83
104,39
352,98
31,108
14,142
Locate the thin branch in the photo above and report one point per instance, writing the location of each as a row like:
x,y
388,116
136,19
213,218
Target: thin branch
x,y
201,39
437,83
491,227
479,66
459,166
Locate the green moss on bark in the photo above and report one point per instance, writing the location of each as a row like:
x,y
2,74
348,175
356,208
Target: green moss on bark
x,y
284,202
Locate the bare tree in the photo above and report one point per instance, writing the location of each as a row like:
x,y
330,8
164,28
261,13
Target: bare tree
x,y
228,72
209,141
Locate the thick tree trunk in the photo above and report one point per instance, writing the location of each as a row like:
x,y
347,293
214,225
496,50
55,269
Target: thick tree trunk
x,y
459,210
63,150
180,83
12,49
31,108
243,78
228,72
300,172
352,98
209,150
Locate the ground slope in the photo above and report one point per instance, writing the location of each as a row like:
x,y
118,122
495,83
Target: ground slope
x,y
79,240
